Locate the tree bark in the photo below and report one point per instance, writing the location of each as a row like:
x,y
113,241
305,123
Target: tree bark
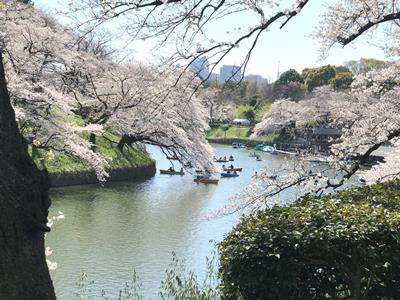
x,y
92,140
24,204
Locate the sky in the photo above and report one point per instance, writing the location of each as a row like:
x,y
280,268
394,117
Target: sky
x,y
277,50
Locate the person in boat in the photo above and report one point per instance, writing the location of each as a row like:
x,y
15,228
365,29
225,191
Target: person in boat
x,y
234,172
225,158
223,166
171,169
231,157
231,166
181,170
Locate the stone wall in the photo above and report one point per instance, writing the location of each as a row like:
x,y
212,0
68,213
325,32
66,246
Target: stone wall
x,y
79,178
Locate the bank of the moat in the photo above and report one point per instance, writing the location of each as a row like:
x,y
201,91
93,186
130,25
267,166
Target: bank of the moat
x,y
124,164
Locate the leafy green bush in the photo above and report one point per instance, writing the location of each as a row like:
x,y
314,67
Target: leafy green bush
x,y
341,246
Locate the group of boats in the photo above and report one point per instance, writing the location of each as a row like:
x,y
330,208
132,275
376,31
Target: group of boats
x,y
231,171
315,158
224,159
204,176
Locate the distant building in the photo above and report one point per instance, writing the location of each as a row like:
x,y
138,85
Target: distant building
x,y
230,73
200,66
241,122
321,133
256,78
213,77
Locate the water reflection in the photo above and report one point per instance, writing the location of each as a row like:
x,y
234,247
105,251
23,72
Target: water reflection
x,y
111,230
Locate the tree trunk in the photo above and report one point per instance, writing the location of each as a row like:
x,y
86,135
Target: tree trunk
x,y
92,140
24,204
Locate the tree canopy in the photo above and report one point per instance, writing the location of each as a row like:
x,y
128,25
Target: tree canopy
x,y
342,246
290,76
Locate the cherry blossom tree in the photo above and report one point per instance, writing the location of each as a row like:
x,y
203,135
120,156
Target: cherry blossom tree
x,y
66,78
37,51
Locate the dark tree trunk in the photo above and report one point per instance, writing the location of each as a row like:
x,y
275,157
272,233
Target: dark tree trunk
x,y
92,140
24,204
122,142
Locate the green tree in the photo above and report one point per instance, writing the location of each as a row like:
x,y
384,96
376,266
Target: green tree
x,y
342,80
341,246
316,77
225,128
342,69
292,90
290,76
365,65
250,114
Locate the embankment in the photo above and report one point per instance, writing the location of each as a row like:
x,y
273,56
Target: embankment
x,y
89,177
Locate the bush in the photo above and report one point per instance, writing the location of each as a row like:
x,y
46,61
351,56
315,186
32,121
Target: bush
x,y
341,246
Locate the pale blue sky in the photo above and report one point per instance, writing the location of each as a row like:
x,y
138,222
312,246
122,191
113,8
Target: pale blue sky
x,y
291,47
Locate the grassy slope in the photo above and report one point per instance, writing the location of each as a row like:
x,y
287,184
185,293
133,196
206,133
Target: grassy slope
x,y
260,111
234,132
243,132
60,163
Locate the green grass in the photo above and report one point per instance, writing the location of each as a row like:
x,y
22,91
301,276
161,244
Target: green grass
x,y
240,133
240,110
57,162
234,132
260,111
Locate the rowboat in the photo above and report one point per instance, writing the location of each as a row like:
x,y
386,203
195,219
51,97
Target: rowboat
x,y
233,169
222,160
169,172
172,158
229,175
206,180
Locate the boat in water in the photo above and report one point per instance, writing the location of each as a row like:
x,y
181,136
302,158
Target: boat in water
x,y
233,169
269,149
236,145
229,175
172,172
259,146
206,180
222,160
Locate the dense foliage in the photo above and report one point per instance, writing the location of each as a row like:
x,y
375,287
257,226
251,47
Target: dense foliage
x,y
342,246
290,76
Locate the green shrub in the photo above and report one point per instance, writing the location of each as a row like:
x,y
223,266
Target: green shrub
x,y
341,246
